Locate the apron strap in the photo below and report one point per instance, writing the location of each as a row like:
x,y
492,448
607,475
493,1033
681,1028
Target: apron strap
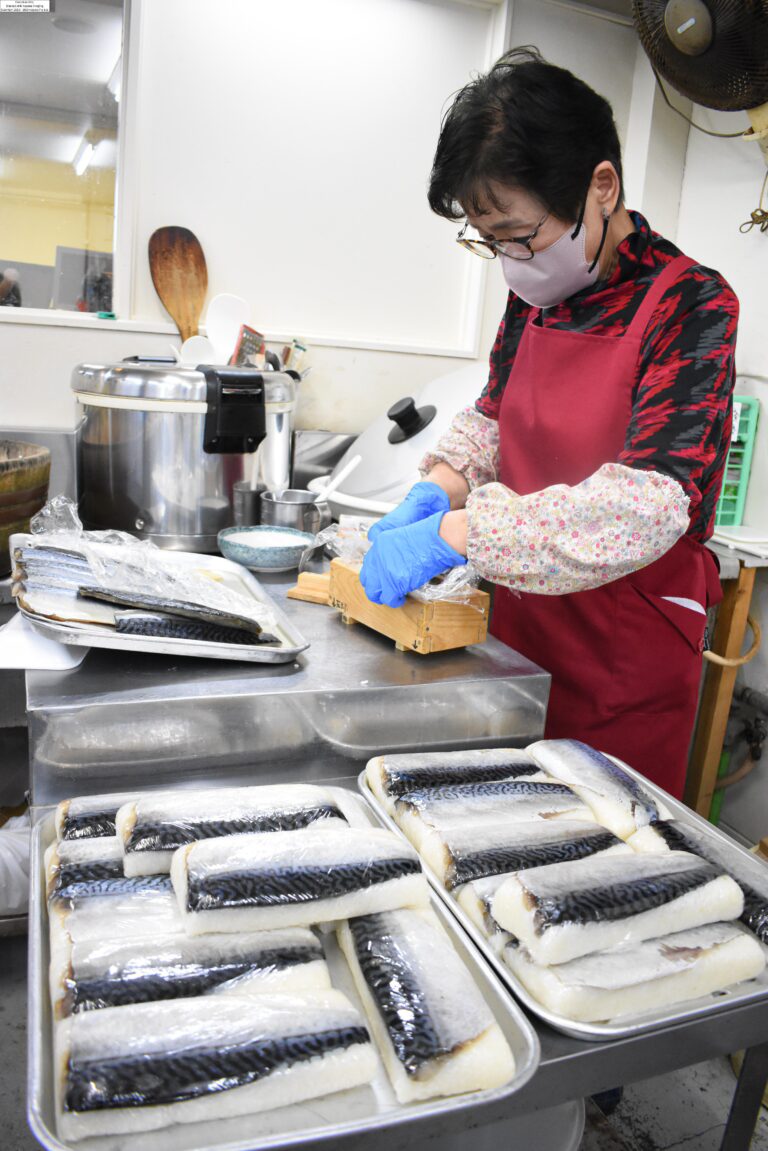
x,y
666,277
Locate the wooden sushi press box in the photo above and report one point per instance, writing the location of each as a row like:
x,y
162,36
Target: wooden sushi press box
x,y
416,626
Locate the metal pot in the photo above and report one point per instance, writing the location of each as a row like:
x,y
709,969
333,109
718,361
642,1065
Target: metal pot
x,y
292,508
160,446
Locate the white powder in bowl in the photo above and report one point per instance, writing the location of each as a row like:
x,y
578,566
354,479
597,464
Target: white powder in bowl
x,y
275,539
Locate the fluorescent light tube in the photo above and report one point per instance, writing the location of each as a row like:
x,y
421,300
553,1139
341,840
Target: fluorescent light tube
x,y
83,156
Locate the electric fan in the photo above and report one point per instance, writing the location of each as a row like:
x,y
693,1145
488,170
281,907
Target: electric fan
x,y
713,51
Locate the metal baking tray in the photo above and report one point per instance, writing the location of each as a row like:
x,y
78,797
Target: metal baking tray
x,y
751,991
231,575
346,1113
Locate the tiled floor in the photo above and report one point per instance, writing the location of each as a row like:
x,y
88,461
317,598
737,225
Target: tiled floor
x,y
685,1111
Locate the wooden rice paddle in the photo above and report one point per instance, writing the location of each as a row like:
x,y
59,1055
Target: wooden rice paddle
x,y
180,276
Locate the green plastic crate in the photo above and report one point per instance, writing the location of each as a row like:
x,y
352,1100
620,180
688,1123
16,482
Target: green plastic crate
x,y
730,506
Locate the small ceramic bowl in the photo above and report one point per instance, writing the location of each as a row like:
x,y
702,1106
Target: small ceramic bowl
x,y
264,548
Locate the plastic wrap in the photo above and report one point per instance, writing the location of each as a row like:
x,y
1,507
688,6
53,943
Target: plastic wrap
x,y
514,800
75,867
390,776
294,878
116,564
435,1031
561,913
151,828
89,816
14,866
619,802
643,977
750,872
115,971
148,1065
348,540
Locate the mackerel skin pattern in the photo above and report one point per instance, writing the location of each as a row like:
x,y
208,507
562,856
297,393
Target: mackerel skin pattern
x,y
401,780
116,884
94,825
152,1080
755,914
166,627
397,995
167,836
620,900
458,792
178,981
497,860
290,885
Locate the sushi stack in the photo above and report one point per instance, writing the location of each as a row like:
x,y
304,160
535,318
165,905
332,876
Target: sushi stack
x,y
600,904
188,975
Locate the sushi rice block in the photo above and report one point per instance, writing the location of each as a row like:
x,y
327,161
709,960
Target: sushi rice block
x,y
115,972
518,800
749,871
392,776
89,816
152,1065
152,827
562,911
82,867
294,878
434,1030
618,801
642,977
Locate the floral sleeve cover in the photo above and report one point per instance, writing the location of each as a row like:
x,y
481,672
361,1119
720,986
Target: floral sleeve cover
x,y
568,539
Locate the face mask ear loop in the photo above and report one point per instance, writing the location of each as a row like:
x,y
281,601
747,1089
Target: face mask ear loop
x,y
592,266
580,221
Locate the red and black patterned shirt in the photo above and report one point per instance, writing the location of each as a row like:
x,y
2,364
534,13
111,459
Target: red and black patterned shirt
x,y
682,394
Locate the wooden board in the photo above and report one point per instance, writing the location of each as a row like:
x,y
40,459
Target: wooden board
x,y
313,587
419,627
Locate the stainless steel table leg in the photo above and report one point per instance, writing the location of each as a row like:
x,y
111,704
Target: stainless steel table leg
x,y
747,1100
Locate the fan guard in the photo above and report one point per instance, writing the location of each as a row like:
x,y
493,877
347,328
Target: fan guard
x,y
731,74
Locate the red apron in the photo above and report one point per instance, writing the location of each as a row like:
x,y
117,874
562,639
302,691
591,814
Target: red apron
x,y
625,661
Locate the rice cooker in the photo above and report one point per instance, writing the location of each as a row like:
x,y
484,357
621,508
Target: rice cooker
x,y
160,445
392,448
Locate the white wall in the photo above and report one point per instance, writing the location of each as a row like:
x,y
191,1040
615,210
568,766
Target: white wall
x,y
720,188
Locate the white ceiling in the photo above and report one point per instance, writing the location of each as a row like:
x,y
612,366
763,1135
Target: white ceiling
x,y
53,79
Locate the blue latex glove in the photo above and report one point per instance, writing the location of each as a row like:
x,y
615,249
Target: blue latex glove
x,y
424,499
404,559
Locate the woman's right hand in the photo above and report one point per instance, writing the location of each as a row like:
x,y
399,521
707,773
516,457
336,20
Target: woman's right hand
x,y
423,500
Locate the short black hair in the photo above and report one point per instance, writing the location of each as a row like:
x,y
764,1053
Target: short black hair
x,y
526,124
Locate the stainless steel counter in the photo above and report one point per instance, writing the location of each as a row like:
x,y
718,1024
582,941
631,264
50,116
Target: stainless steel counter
x,y
138,720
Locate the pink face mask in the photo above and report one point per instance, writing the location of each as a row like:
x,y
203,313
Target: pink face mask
x,y
556,272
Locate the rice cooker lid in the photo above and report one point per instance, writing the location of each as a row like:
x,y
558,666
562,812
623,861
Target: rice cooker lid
x,y
166,381
393,446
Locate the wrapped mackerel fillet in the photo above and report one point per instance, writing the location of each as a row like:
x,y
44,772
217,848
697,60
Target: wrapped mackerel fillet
x,y
152,827
749,871
294,878
82,867
643,976
518,800
460,854
89,816
617,800
392,776
151,1065
114,972
432,1026
561,912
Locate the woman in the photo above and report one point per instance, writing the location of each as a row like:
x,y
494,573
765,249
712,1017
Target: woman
x,y
584,481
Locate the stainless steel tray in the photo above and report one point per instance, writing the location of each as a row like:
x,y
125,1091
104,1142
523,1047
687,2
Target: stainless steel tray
x,y
751,991
232,575
347,1113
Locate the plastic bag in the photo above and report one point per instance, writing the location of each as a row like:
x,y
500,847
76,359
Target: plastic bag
x,y
14,866
348,539
117,562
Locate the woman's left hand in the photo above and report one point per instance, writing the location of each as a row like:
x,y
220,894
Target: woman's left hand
x,y
405,558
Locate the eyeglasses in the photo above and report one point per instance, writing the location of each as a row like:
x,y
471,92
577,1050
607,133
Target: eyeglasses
x,y
517,248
